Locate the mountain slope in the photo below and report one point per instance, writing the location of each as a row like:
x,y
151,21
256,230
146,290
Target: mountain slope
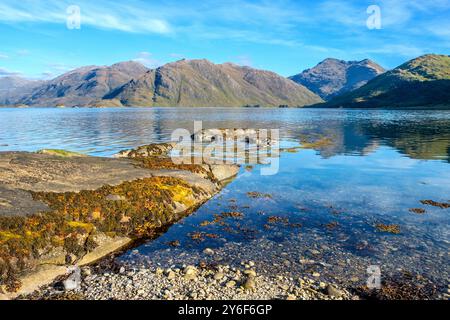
x,y
12,87
200,83
424,81
84,86
334,77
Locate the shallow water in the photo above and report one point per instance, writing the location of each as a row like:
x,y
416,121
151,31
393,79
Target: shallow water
x,y
324,203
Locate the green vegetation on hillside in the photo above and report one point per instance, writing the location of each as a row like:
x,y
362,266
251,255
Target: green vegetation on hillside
x,y
421,82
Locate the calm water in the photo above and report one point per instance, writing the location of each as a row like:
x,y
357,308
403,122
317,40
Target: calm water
x,y
379,165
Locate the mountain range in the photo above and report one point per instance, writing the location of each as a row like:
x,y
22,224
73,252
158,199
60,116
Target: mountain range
x,y
424,81
421,82
189,83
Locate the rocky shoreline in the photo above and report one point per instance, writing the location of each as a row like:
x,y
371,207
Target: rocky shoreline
x,y
189,282
59,209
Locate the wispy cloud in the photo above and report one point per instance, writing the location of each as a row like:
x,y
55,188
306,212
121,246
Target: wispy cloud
x,y
3,56
100,14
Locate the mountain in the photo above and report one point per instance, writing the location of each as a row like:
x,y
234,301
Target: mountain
x,y
421,82
84,86
12,87
334,77
200,83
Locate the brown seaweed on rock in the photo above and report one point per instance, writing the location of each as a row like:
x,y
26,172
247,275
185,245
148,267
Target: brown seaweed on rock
x,y
74,218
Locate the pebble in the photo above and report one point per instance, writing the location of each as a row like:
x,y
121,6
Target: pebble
x,y
316,274
250,284
219,276
333,292
250,273
86,271
208,251
231,284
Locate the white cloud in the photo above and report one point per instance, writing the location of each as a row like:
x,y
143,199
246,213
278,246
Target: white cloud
x,y
3,56
99,14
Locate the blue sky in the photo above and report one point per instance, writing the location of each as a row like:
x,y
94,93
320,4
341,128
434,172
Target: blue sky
x,y
282,36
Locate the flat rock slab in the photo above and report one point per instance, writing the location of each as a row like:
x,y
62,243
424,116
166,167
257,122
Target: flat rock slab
x,y
21,172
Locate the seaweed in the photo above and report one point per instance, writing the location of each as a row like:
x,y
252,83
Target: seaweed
x,y
417,210
390,228
74,218
442,205
256,195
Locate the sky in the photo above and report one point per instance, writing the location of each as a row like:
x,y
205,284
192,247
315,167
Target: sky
x,y
43,39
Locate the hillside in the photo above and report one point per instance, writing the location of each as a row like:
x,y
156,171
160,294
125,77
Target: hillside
x,y
13,87
82,87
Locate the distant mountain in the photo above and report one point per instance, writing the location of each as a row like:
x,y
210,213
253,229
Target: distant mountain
x,y
200,83
13,87
334,77
85,86
421,82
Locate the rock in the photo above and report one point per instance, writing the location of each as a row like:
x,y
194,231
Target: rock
x,y
190,270
316,274
250,273
190,273
333,292
122,270
86,271
284,287
208,251
291,297
219,276
287,263
141,292
250,284
171,275
159,271
251,263
70,284
231,284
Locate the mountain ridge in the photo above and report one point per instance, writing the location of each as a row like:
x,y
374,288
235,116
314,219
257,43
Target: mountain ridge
x,y
333,77
420,82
